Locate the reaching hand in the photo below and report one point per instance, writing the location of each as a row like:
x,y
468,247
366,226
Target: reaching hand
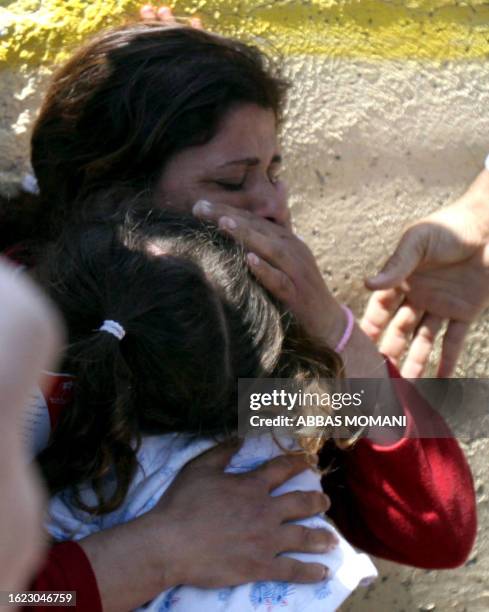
x,y
439,271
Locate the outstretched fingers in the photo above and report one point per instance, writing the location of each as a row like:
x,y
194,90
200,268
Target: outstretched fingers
x,y
399,332
452,347
421,346
381,307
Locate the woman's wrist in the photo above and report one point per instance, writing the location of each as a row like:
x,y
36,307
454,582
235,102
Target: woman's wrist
x,y
476,200
164,551
132,563
348,331
334,324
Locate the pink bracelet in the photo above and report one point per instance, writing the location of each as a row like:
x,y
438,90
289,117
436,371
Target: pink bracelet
x,y
350,322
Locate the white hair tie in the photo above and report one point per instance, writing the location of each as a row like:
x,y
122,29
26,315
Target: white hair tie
x,y
114,328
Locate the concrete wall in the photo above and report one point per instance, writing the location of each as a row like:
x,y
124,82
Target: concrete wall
x,y
387,121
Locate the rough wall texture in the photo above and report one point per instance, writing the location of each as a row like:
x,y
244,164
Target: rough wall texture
x,y
387,121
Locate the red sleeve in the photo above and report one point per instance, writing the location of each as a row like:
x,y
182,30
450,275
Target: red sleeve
x,y
21,254
68,569
412,502
59,394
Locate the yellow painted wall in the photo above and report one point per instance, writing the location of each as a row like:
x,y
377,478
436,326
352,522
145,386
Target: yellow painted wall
x,y
43,31
388,119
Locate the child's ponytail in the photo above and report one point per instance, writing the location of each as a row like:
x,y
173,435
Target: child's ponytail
x,y
96,439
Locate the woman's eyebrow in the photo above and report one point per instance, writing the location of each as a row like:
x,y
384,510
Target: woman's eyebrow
x,y
251,161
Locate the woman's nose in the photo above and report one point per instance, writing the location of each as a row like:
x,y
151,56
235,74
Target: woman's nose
x,y
271,203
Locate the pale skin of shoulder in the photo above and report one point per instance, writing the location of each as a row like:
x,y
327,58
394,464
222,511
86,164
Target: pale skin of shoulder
x,y
31,336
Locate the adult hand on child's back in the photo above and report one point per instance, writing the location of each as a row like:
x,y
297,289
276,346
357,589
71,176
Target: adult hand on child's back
x,y
285,266
220,529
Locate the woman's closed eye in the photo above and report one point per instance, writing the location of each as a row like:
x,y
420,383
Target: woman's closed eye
x,y
228,185
231,185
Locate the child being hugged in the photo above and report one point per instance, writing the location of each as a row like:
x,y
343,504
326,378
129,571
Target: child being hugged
x,y
163,317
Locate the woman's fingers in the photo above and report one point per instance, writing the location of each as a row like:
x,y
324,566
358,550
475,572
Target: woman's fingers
x,y
284,265
212,211
452,347
421,346
290,570
400,331
280,249
276,471
299,505
297,538
270,257
217,457
381,307
275,281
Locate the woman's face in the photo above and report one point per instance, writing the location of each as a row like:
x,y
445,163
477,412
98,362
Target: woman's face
x,y
240,167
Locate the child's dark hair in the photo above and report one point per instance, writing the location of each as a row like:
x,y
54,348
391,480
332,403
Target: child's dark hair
x,y
195,321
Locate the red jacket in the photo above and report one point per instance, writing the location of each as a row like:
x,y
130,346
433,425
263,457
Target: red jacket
x,y
393,501
390,501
